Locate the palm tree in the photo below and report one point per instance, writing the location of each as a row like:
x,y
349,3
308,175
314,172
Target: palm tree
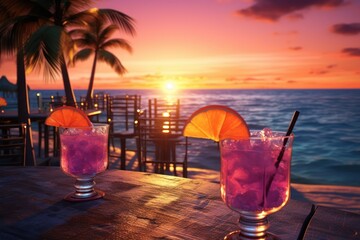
x,y
13,34
36,30
95,40
50,45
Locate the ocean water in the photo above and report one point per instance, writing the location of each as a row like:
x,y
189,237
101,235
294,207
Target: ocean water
x,y
327,134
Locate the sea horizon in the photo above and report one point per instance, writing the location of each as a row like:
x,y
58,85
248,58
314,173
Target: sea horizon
x,y
180,89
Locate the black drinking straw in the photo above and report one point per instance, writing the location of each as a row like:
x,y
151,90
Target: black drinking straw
x,y
288,133
281,154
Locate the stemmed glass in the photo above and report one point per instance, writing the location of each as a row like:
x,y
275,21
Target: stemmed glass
x,y
255,179
84,154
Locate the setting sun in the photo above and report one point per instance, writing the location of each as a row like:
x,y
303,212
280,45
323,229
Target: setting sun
x,y
170,86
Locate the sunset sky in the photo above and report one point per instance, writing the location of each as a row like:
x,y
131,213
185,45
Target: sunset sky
x,y
229,44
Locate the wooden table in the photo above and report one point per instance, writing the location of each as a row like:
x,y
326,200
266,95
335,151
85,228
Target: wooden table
x,y
40,117
12,115
141,205
35,115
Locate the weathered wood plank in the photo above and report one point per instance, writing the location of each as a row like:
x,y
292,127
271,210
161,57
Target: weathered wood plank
x,y
136,206
330,223
288,222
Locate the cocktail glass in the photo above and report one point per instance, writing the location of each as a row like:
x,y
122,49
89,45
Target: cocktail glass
x,y
255,180
84,154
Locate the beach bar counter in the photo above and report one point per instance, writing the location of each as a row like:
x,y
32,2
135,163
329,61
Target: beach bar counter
x,y
140,205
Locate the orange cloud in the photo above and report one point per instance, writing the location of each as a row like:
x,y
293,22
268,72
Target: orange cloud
x,y
354,52
296,48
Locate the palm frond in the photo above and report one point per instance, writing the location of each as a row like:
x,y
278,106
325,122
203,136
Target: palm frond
x,y
10,39
11,8
117,42
43,48
125,22
14,32
82,55
77,32
112,61
75,6
42,10
81,42
106,32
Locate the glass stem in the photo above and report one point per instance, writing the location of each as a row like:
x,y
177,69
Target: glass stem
x,y
253,226
84,187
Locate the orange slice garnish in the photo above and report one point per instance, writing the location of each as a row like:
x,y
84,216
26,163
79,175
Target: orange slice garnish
x,y
67,116
216,122
3,102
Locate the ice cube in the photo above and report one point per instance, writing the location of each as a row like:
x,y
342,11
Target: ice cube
x,y
276,197
248,201
234,187
266,133
240,174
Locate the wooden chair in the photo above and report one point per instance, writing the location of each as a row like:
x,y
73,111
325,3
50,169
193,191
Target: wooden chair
x,y
12,144
82,103
48,136
99,101
162,144
161,107
50,103
48,140
122,116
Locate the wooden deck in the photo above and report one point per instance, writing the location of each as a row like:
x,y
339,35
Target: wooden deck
x,y
141,205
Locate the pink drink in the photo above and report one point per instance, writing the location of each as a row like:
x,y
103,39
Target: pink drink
x,y
84,151
250,181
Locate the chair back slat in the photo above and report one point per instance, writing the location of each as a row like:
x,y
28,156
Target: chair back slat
x,y
122,112
161,107
50,103
122,116
12,144
98,102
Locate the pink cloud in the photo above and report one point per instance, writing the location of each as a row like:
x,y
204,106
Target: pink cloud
x,y
346,28
273,10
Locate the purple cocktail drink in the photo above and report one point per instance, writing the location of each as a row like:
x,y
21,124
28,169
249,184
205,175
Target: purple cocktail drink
x,y
255,181
84,153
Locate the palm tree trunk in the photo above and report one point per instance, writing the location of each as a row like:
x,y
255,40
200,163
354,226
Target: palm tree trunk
x,y
23,108
70,97
90,91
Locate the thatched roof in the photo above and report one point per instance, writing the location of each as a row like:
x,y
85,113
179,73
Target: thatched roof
x,y
6,86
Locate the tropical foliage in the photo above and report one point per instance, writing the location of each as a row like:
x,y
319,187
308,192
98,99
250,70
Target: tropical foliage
x,y
40,28
14,31
36,33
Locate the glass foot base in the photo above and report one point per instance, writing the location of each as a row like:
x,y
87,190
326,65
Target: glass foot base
x,y
235,235
73,197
